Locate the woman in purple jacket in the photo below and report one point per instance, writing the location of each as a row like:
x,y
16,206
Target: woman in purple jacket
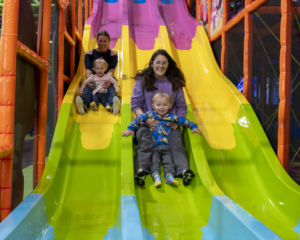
x,y
162,75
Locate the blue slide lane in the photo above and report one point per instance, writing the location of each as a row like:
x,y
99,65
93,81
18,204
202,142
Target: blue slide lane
x,y
228,221
297,228
128,224
30,214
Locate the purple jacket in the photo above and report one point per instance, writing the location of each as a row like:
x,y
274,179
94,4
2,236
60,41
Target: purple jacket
x,y
143,99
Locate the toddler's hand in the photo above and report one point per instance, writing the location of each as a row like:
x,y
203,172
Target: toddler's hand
x,y
127,133
90,52
196,130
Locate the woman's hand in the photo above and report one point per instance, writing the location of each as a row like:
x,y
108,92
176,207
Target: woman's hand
x,y
90,52
151,123
90,85
174,125
127,133
196,130
107,84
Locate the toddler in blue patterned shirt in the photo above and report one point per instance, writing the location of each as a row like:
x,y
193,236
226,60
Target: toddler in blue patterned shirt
x,y
160,134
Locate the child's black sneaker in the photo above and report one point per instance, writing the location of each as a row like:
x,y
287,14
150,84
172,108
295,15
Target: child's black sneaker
x,y
140,178
188,177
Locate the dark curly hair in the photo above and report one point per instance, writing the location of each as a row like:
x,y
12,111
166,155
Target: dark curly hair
x,y
173,73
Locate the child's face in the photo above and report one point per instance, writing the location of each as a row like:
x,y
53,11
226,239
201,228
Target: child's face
x,y
100,68
162,105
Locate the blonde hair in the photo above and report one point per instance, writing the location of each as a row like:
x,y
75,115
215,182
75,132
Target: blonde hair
x,y
100,60
159,95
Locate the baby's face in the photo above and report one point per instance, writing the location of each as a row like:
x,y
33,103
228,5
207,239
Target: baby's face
x,y
100,68
162,105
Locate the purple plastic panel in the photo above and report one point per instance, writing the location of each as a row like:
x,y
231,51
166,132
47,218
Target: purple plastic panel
x,y
144,20
144,24
180,24
107,16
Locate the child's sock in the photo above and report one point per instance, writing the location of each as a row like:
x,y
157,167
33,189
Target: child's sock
x,y
79,105
170,180
116,106
94,106
188,176
157,180
108,108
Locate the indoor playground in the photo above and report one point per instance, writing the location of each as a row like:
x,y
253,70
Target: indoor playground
x,y
69,176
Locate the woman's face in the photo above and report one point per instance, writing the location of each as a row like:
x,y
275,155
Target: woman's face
x,y
103,43
160,66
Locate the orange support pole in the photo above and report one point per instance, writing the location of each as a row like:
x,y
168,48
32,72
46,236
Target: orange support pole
x,y
67,79
284,83
5,149
237,18
26,53
86,10
234,21
72,47
60,70
198,10
42,105
248,45
62,4
189,5
209,17
90,7
69,38
78,37
9,37
79,17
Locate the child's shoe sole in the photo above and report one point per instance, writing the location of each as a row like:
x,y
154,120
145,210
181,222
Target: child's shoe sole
x,y
175,182
79,105
158,184
116,102
188,177
140,178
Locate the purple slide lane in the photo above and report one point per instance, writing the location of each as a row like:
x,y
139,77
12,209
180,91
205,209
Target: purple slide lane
x,y
144,24
181,26
108,17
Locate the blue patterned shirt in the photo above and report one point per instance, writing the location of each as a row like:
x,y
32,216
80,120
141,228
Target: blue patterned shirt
x,y
162,132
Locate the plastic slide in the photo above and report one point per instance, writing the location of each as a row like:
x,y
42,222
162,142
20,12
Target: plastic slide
x,y
87,190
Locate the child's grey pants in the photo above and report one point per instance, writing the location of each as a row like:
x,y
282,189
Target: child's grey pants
x,y
162,154
144,150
